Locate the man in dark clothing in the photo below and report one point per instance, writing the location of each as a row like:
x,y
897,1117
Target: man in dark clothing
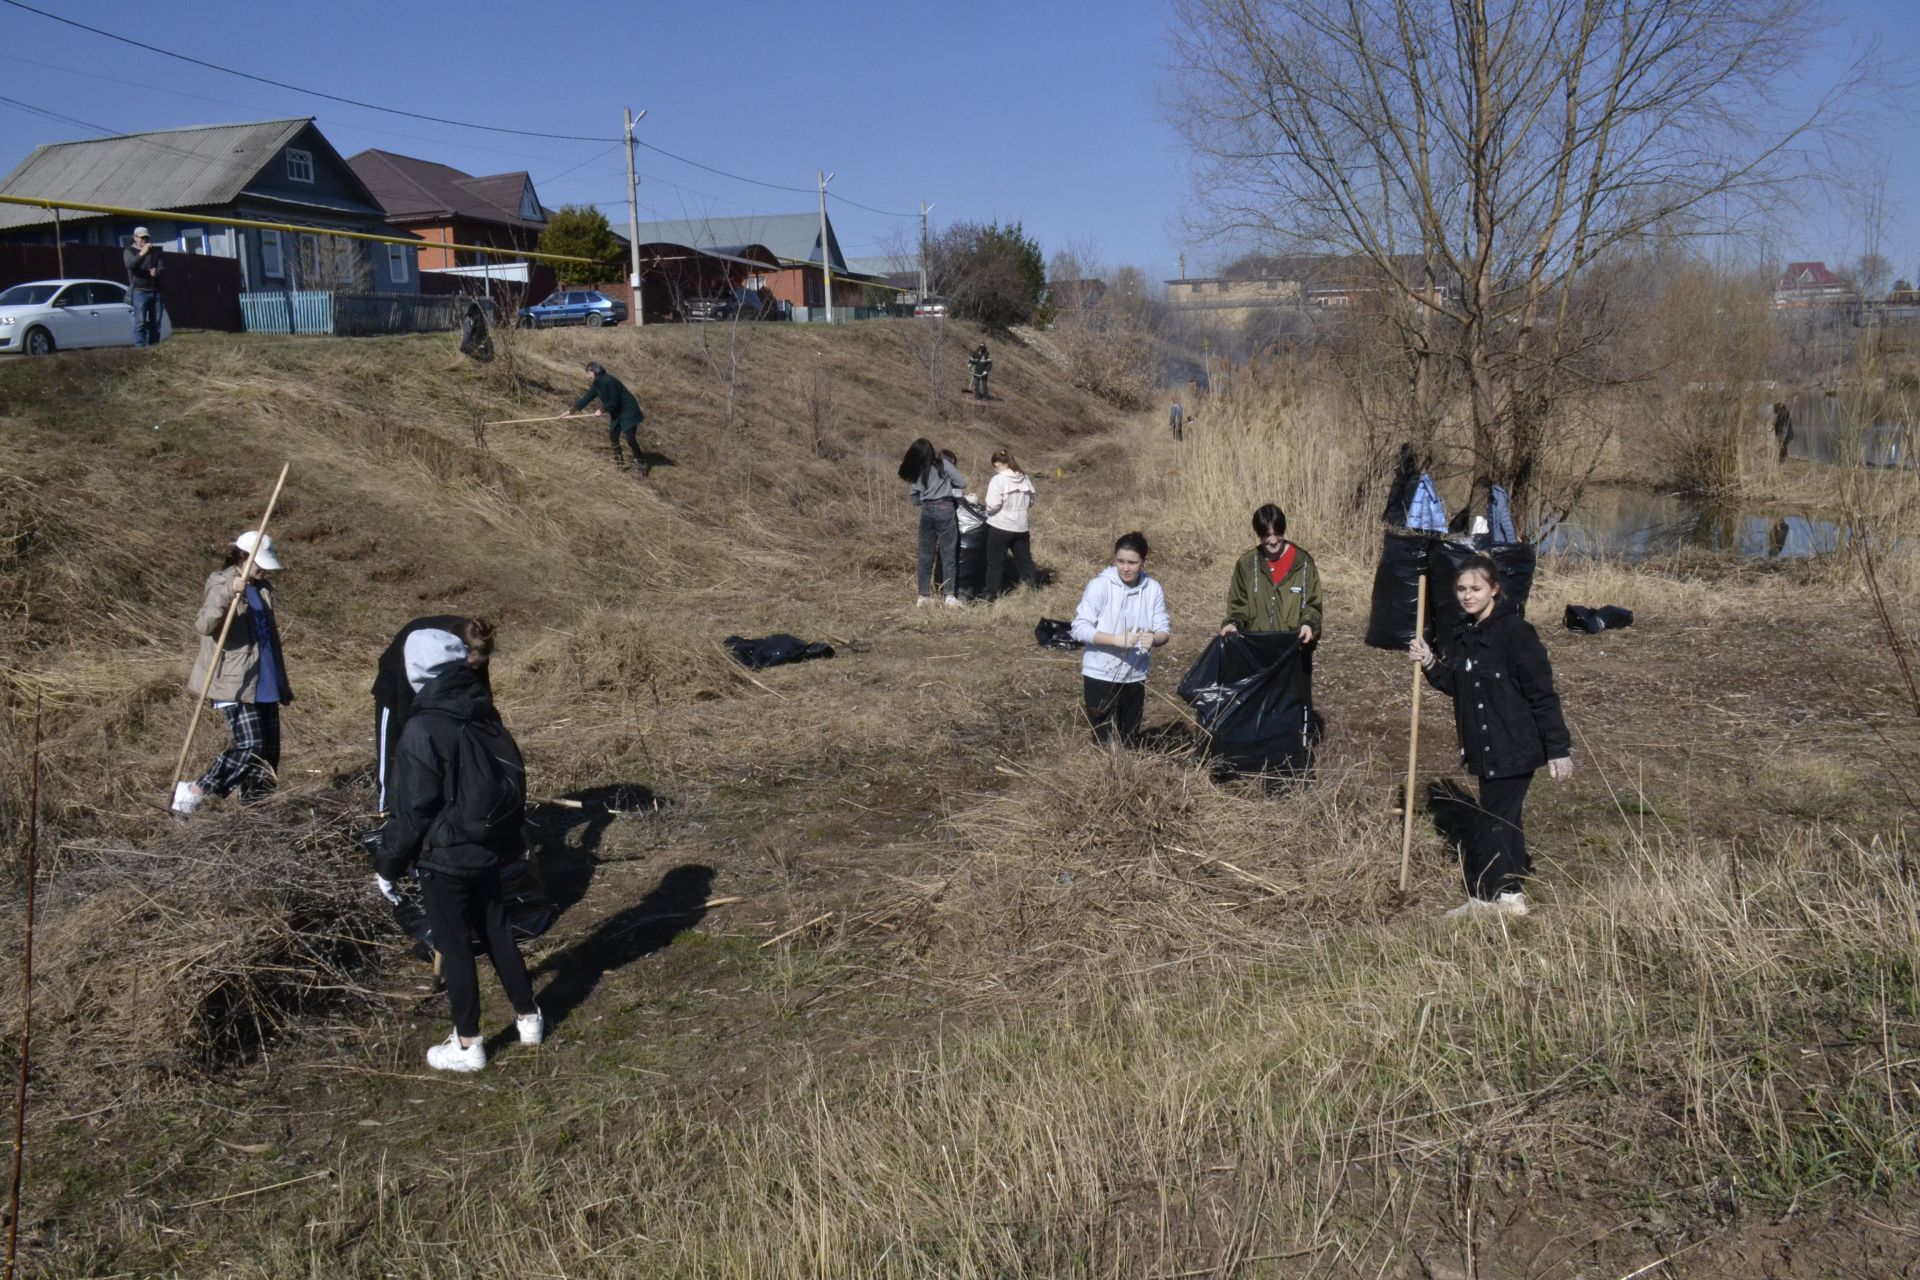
x,y
620,409
142,259
982,364
459,797
1782,426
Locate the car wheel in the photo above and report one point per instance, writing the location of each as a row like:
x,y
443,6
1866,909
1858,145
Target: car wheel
x,y
595,319
39,342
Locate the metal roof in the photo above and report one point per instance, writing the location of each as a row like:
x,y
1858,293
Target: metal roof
x,y
410,188
161,169
792,237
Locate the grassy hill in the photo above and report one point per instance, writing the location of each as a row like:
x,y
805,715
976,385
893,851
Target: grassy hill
x,y
873,966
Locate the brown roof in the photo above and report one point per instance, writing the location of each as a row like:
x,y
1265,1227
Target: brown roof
x,y
411,189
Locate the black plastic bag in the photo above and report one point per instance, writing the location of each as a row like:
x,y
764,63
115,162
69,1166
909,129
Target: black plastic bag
x,y
1608,617
1396,589
1051,633
1514,560
773,651
1253,694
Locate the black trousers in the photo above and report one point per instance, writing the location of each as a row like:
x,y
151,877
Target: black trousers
x,y
1494,859
621,427
999,543
1115,709
457,908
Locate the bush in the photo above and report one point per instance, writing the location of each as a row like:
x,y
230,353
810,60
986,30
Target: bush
x,y
992,274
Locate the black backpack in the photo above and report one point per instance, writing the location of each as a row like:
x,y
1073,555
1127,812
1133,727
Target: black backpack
x,y
488,806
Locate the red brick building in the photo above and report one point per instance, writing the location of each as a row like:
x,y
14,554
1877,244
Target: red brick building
x,y
444,206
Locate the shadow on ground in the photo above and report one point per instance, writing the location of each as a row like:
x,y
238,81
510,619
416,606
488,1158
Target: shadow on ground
x,y
564,835
675,905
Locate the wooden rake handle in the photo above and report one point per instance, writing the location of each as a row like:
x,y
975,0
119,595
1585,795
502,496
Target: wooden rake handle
x,y
1413,749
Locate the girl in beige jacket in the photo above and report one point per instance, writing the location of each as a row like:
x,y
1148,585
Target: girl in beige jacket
x,y
249,675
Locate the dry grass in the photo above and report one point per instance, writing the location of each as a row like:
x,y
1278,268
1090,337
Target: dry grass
x,y
1026,1008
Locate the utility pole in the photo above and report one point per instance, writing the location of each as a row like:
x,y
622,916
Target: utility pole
x,y
925,209
826,246
633,219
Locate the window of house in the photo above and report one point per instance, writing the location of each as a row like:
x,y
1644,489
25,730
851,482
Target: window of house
x,y
299,165
193,240
397,263
273,263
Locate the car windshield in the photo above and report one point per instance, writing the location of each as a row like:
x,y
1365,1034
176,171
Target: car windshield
x,y
28,295
555,300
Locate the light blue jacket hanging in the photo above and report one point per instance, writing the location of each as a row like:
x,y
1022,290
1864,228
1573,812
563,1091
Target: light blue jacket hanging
x,y
1426,511
1500,518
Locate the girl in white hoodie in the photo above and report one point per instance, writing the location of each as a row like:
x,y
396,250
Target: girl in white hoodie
x,y
1009,499
1122,618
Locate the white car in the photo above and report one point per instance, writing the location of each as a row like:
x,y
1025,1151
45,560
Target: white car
x,y
47,315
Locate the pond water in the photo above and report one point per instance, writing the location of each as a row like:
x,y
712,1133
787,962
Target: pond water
x,y
1823,431
1635,524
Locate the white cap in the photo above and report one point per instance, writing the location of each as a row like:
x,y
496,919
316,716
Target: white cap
x,y
429,652
140,233
261,546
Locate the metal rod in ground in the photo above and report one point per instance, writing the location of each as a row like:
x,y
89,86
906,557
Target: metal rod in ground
x,y
26,1001
220,644
1413,749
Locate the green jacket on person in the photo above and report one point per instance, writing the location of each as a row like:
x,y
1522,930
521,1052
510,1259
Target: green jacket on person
x,y
1254,603
614,398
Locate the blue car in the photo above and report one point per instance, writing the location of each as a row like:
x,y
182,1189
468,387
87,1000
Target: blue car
x,y
574,306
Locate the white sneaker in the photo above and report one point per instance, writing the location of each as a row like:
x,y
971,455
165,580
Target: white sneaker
x,y
185,798
1471,907
953,602
923,602
1511,904
531,1026
450,1055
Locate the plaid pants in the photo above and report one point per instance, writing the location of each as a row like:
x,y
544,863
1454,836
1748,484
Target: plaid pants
x,y
253,760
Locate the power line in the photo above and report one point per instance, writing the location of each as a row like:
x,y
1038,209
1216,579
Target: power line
x,y
805,191
281,84
885,213
432,119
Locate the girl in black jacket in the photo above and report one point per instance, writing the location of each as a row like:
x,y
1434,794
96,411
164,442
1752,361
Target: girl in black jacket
x,y
459,792
1496,671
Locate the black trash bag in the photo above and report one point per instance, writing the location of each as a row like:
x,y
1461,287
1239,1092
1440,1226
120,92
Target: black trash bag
x,y
1514,560
475,341
1051,633
1396,589
1608,617
1253,694
973,564
775,650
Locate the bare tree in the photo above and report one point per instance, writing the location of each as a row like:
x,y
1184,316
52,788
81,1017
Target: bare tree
x,y
1480,157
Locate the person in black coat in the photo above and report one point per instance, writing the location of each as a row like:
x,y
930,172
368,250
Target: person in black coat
x,y
459,798
1508,716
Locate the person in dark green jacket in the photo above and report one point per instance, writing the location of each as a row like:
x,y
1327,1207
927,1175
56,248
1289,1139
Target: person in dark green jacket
x,y
1276,586
620,409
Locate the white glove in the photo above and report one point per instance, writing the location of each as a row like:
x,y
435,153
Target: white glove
x,y
387,890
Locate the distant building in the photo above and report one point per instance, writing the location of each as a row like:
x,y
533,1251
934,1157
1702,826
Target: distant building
x,y
272,171
793,240
444,206
1810,284
1076,295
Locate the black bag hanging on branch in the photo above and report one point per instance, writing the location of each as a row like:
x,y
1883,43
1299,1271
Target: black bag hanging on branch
x,y
1253,694
1396,589
1515,560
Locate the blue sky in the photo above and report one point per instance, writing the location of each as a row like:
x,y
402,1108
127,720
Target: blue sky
x,y
1049,113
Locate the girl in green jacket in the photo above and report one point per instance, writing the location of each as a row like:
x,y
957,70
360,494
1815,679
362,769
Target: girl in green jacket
x,y
1275,584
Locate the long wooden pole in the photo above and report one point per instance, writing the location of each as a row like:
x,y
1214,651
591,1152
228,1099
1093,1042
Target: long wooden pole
x,y
515,422
1413,749
220,644
26,1001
